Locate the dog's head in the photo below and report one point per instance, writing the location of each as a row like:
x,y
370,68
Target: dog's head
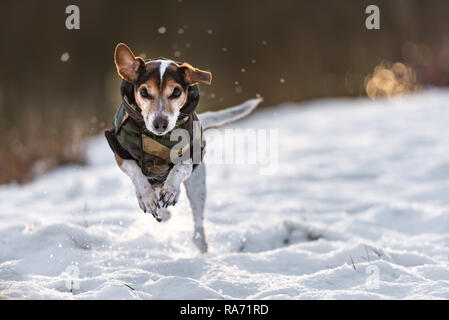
x,y
160,87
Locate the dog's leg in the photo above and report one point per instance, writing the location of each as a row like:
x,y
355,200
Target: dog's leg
x,y
146,196
196,192
169,194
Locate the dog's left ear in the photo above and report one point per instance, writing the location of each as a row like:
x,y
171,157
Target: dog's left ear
x,y
127,64
193,75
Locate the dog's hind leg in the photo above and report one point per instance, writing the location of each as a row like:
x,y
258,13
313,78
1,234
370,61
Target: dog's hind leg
x,y
196,193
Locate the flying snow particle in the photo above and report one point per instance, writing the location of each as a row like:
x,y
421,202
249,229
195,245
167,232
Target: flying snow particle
x,y
243,70
282,80
264,43
177,54
162,29
65,57
224,49
253,61
180,31
188,45
143,55
210,31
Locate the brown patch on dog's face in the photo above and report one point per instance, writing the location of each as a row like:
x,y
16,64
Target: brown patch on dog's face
x,y
173,95
147,97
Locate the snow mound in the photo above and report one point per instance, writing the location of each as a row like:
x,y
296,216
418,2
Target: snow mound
x,y
358,209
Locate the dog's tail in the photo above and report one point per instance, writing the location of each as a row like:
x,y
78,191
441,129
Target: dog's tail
x,y
213,119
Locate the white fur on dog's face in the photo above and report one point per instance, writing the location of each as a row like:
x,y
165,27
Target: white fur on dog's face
x,y
160,87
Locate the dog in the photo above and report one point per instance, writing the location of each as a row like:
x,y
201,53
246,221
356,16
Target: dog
x,y
159,96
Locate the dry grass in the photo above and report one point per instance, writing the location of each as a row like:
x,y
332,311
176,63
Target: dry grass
x,y
32,149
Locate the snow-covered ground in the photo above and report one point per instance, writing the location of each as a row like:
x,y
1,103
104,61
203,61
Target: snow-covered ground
x,y
359,208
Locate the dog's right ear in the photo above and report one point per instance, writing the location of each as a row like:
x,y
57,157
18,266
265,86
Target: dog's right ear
x,y
127,64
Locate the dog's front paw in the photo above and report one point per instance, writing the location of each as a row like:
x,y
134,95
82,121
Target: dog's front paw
x,y
169,195
148,200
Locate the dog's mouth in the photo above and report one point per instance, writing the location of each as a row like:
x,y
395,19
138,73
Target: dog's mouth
x,y
159,133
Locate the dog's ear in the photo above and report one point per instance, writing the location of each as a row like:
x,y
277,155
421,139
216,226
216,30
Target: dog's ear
x,y
127,64
193,75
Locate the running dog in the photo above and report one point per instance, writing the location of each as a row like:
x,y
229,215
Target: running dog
x,y
159,98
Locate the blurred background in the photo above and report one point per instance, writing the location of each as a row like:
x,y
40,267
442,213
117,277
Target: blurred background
x,y
59,86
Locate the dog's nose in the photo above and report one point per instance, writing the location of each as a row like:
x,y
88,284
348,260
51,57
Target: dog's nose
x,y
160,124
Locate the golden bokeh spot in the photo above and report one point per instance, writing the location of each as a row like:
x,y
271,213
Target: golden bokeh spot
x,y
390,79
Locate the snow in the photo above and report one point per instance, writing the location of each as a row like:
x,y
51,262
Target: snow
x,y
357,210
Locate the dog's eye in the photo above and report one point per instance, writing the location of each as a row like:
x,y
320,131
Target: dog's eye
x,y
144,93
176,93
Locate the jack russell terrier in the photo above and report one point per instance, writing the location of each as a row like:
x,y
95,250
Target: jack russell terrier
x,y
157,138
